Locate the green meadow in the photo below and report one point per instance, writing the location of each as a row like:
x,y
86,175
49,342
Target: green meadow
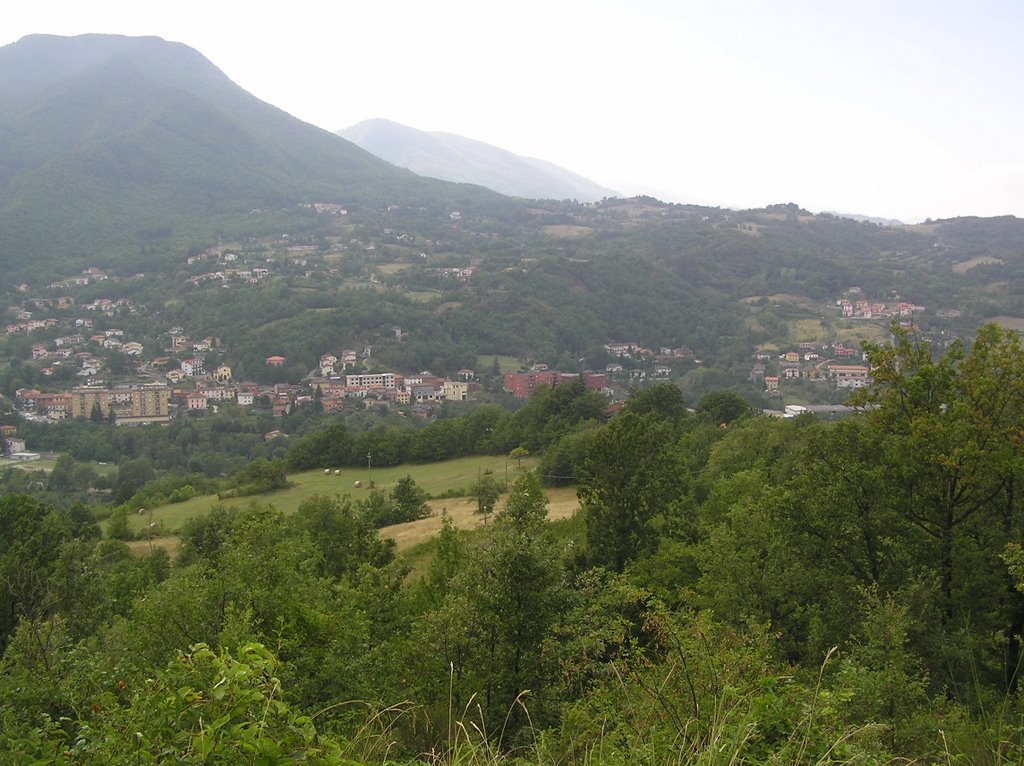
x,y
505,363
435,478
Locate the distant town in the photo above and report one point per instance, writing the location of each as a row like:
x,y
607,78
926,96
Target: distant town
x,y
174,380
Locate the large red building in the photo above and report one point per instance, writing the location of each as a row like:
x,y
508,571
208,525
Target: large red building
x,y
521,384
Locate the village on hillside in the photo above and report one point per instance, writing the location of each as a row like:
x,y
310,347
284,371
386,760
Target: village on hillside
x,y
99,372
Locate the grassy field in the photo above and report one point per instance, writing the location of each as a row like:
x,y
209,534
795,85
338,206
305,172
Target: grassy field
x,y
435,478
853,333
567,231
47,464
562,503
421,296
29,465
416,541
413,539
808,330
394,268
507,363
964,266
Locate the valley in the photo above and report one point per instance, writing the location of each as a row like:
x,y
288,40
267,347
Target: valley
x,y
311,459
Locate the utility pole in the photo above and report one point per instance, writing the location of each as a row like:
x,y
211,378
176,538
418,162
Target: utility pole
x,y
369,471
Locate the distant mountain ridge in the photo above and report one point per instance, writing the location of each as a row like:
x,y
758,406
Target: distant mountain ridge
x,y
464,160
108,143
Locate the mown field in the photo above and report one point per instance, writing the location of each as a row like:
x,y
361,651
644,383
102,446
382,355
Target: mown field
x,y
436,478
413,538
562,503
29,465
47,464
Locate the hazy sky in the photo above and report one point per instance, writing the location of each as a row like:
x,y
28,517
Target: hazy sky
x,y
898,109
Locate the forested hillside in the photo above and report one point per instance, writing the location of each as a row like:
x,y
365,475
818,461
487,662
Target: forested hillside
x,y
115,145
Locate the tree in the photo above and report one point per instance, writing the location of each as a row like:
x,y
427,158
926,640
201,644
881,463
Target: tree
x,y
561,462
257,477
723,406
410,500
31,535
132,475
117,524
553,411
344,537
949,429
379,510
448,561
485,491
514,588
665,400
518,454
629,479
62,477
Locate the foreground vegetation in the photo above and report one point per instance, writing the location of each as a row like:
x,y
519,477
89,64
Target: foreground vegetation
x,y
735,589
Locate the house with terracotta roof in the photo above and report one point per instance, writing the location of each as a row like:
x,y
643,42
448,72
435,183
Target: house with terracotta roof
x,y
196,400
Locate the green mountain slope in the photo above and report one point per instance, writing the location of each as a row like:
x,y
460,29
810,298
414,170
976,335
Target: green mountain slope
x,y
455,158
108,142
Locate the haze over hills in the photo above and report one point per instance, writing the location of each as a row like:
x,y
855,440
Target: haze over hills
x,y
464,160
110,141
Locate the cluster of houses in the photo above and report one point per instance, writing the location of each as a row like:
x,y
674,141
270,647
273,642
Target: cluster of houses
x,y
332,393
861,309
855,307
88,276
421,389
243,276
26,322
78,350
461,273
831,363
637,362
154,402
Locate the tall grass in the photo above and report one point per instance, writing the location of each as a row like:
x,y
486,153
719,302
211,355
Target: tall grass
x,y
727,728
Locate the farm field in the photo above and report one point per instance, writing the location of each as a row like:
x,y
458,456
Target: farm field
x,y
411,537
44,464
562,503
435,478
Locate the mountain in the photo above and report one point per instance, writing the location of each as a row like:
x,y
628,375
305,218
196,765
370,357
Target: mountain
x,y
113,143
455,158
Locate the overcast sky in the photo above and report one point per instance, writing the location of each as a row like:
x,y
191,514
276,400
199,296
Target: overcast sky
x,y
897,109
